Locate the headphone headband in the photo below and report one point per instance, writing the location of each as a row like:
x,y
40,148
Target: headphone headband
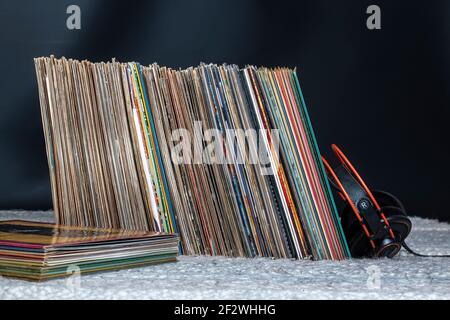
x,y
365,207
363,203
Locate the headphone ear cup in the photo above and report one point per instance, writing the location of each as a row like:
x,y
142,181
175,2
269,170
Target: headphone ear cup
x,y
358,242
385,199
359,245
399,222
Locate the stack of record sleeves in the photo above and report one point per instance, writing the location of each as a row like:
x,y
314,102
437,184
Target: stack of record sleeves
x,y
40,251
224,156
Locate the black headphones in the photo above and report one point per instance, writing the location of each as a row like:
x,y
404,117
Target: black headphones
x,y
375,222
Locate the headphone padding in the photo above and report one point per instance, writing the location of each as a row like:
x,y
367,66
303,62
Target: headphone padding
x,y
399,222
358,242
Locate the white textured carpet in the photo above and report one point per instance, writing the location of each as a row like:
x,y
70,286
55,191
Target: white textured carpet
x,y
404,277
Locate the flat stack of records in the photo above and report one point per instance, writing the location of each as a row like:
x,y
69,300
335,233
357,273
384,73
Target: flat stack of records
x,y
39,251
224,156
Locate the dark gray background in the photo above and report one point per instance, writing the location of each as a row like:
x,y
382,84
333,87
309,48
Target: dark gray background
x,y
382,95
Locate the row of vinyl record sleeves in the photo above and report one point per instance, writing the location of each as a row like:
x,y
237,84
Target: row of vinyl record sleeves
x,y
109,136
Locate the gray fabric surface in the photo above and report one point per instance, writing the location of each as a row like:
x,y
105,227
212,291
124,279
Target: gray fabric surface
x,y
404,277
